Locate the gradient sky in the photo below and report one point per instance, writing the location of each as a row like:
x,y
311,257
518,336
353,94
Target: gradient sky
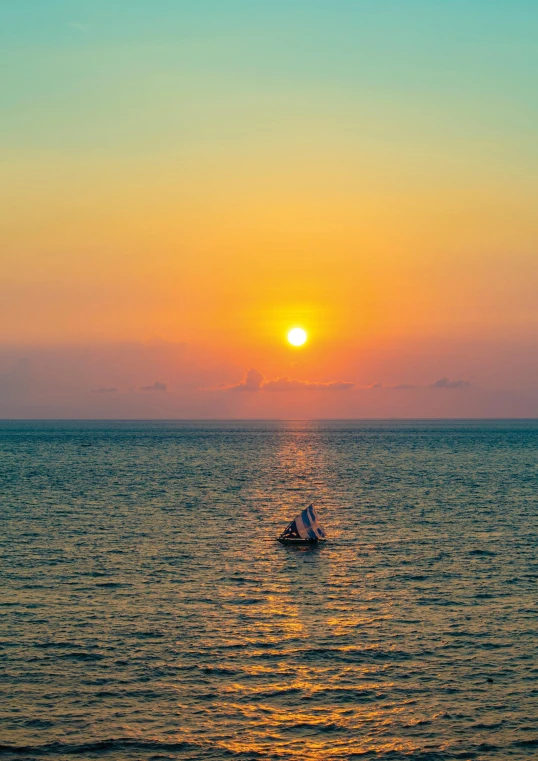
x,y
184,181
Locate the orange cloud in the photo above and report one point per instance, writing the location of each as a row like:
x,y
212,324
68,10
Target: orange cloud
x,y
254,381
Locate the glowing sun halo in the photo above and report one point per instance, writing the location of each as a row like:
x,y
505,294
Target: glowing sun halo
x,y
297,336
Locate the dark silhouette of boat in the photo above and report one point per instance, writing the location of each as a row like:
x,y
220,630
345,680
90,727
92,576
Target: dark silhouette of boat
x,y
304,529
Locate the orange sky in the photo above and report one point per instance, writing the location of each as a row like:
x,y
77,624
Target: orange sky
x,y
378,190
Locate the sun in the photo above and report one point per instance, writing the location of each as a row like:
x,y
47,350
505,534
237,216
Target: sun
x,y
297,336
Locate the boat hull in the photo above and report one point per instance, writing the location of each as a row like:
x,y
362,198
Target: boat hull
x,y
297,542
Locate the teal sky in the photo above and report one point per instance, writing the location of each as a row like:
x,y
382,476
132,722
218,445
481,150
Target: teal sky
x,y
111,76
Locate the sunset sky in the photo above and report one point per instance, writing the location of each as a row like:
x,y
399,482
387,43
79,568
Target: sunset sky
x,y
183,181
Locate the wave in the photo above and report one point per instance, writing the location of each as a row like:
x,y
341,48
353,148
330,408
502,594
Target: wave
x,y
81,656
100,746
532,742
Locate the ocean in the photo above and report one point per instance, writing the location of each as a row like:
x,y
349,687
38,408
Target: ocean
x,y
147,611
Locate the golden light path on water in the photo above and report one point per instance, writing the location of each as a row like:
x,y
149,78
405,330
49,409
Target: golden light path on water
x,y
152,612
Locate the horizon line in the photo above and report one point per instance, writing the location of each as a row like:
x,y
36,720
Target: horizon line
x,y
254,420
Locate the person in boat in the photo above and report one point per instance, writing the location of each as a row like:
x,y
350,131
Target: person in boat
x,y
291,532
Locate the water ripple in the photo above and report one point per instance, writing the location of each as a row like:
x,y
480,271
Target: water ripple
x,y
147,612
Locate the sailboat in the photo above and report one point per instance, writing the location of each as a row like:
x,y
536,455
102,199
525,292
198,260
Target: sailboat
x,y
304,529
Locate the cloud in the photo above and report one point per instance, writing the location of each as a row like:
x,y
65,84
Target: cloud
x,y
445,383
155,387
255,381
104,390
289,384
441,383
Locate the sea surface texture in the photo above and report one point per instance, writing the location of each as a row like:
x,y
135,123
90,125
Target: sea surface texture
x,y
147,611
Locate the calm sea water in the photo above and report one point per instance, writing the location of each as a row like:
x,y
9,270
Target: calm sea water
x,y
148,613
